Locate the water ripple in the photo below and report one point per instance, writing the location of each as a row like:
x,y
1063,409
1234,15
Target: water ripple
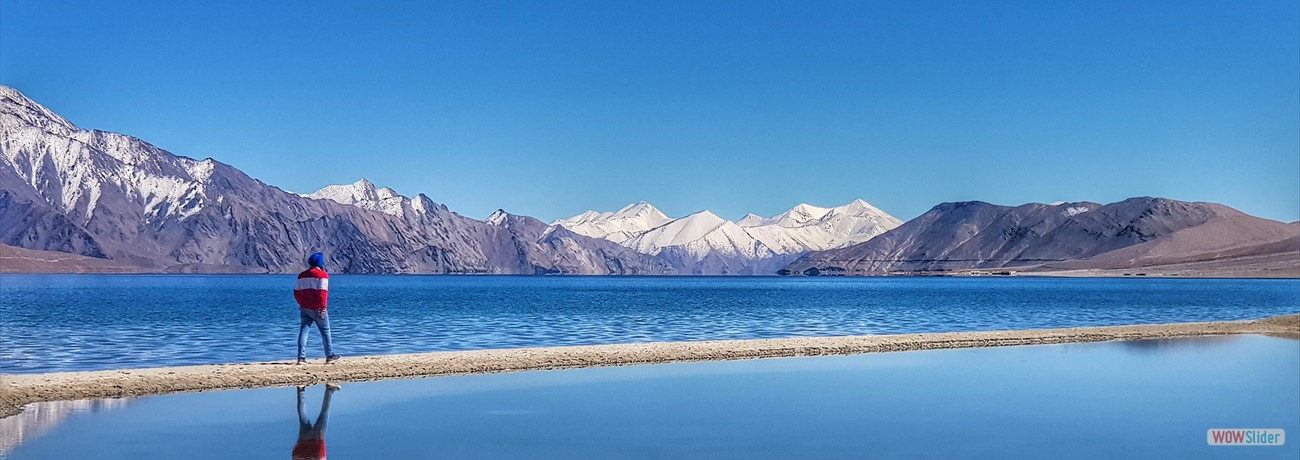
x,y
54,323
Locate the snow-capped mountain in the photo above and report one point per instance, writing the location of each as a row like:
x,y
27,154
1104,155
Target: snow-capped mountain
x,y
117,197
809,228
705,243
91,192
507,240
498,218
365,195
798,216
618,226
701,234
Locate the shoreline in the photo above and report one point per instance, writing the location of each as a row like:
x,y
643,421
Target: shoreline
x,y
18,390
1141,273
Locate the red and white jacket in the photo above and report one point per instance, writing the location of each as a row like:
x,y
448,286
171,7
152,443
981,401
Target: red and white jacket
x,y
313,289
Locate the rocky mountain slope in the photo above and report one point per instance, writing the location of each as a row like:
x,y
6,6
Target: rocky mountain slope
x,y
112,196
1136,232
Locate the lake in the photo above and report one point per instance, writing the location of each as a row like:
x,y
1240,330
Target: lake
x,y
91,322
1141,399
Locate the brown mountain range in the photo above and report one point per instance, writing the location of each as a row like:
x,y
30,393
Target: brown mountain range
x,y
1137,235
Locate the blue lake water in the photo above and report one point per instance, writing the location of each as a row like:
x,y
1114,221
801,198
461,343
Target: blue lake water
x,y
1140,399
88,322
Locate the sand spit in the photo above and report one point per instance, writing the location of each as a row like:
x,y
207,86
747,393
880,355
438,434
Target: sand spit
x,y
19,390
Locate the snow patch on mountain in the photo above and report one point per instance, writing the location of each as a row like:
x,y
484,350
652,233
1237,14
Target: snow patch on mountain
x,y
498,217
1076,210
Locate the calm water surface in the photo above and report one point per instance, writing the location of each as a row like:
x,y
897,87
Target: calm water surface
x,y
88,322
1144,399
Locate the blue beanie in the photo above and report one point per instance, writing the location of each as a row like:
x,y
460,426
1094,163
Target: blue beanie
x,y
316,260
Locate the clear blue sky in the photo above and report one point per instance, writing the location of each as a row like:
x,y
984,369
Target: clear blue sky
x,y
552,108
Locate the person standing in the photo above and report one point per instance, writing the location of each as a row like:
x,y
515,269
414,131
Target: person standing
x,y
312,294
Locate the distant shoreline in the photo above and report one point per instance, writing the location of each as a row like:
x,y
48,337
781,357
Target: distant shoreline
x,y
18,390
1080,273
14,260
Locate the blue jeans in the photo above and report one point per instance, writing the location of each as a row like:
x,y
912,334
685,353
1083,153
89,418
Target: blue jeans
x,y
306,317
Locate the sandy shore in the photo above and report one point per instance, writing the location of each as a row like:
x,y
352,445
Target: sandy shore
x,y
19,390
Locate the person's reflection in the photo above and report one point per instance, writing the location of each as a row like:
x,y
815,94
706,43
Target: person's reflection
x,y
311,436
